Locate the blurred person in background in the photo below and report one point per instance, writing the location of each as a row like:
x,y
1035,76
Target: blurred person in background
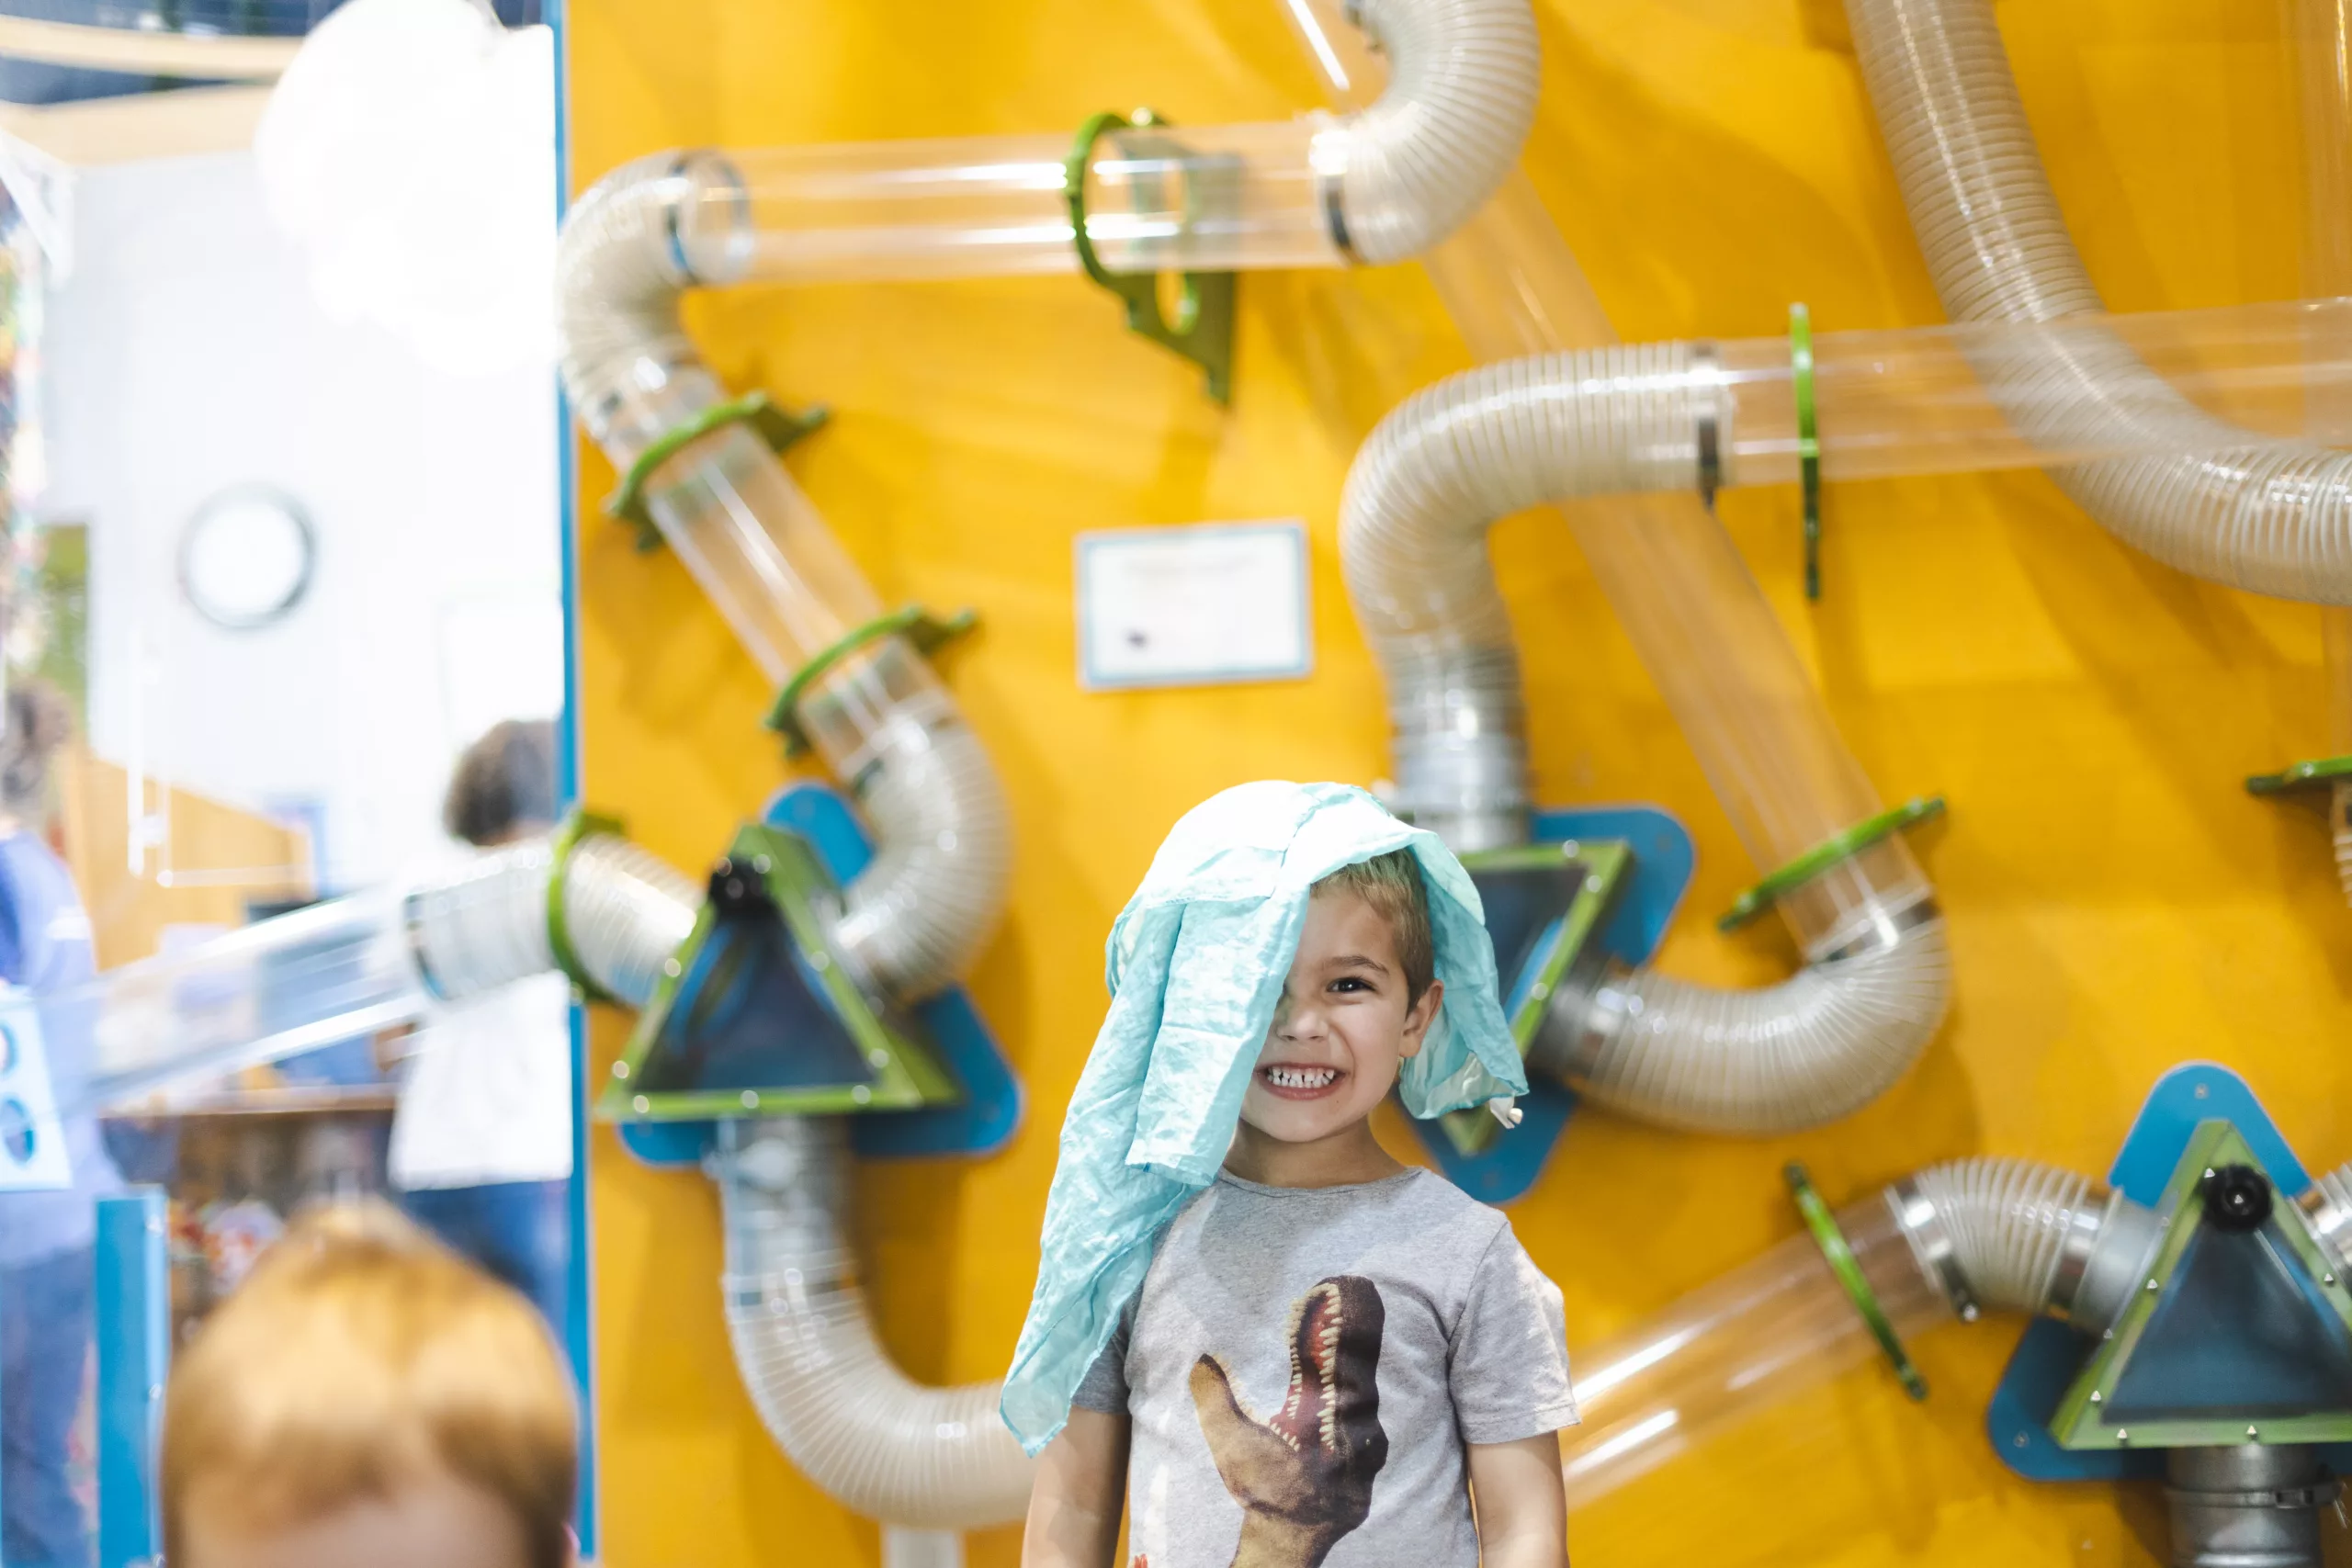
x,y
481,1145
48,1239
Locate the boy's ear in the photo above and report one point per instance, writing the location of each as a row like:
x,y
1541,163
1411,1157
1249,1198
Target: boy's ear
x,y
1419,1016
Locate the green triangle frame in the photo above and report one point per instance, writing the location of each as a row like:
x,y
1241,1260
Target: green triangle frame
x,y
2081,1421
1607,863
906,1073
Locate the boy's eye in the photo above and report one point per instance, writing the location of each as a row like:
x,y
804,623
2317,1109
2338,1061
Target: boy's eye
x,y
1348,983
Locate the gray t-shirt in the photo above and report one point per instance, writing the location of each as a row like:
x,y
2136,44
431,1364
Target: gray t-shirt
x,y
1304,1365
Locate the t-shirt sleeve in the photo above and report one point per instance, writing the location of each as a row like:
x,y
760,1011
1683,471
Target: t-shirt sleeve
x,y
1510,1363
1104,1387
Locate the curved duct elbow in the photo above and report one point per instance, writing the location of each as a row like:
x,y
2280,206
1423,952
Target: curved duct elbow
x,y
2017,1235
1817,1046
1460,101
1435,474
620,265
917,915
2273,517
932,1459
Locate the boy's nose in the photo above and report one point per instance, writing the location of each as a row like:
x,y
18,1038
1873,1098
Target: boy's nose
x,y
1295,1020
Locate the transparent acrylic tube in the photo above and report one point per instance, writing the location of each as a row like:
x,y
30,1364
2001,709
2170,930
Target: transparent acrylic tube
x,y
1762,1334
1977,396
308,978
1223,197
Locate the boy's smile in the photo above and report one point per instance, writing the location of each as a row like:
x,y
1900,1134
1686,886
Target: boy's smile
x,y
1292,1081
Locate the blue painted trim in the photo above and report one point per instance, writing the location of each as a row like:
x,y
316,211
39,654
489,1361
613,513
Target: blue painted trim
x,y
994,1102
1092,680
2017,1420
134,1295
1663,858
580,1303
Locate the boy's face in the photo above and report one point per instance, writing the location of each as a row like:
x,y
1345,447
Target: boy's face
x,y
434,1518
1343,1027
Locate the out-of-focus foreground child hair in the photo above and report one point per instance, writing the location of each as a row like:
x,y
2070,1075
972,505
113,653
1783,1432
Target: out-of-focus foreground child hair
x,y
367,1397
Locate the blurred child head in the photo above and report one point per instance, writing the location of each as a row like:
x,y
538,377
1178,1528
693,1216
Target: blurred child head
x,y
504,785
369,1400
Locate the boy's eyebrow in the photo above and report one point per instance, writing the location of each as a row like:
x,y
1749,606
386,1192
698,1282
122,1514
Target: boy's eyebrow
x,y
1356,961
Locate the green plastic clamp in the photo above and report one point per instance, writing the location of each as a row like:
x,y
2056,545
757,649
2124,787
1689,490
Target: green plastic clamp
x,y
2317,774
917,624
1808,443
778,426
580,825
1855,1284
1202,331
1825,854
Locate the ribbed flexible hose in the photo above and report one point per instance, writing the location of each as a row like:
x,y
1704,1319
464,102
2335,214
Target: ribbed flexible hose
x,y
1461,98
1430,480
624,910
944,839
619,274
1819,1045
888,1448
2274,517
1431,477
2008,1221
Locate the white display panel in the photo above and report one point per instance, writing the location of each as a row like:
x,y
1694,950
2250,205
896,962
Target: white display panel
x,y
1210,603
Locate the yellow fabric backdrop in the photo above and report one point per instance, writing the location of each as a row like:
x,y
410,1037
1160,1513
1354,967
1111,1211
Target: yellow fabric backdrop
x,y
2117,903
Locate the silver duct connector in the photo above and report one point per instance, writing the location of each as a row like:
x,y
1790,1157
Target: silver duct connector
x,y
1461,98
624,910
932,1459
2017,1235
2273,517
1433,476
2252,1506
1821,1044
2327,1208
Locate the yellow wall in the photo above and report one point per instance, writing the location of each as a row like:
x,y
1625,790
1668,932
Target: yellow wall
x,y
2117,903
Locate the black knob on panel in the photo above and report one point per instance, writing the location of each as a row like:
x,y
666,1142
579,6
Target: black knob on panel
x,y
2237,1198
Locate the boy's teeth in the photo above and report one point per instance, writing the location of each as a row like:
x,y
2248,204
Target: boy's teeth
x,y
1300,1078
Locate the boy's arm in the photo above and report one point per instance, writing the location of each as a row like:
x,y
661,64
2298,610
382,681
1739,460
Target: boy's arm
x,y
1081,1482
1522,1506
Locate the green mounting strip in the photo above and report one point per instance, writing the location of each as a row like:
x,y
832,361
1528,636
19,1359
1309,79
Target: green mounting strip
x,y
580,825
2081,1420
1825,854
1841,1259
1808,443
776,426
1202,331
918,626
1607,864
905,1075
2317,774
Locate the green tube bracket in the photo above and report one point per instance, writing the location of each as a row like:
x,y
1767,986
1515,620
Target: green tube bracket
x,y
581,824
778,426
917,624
1808,443
1825,854
2318,773
1855,1284
1202,331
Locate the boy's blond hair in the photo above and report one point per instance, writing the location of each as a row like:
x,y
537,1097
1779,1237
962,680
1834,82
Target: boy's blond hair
x,y
360,1356
1391,884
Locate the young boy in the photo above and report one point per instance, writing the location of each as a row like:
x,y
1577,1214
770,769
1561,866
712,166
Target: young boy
x,y
1332,1355
367,1399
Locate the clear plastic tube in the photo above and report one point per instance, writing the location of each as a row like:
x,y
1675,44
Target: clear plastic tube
x,y
1775,1328
286,984
1762,1334
1225,198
